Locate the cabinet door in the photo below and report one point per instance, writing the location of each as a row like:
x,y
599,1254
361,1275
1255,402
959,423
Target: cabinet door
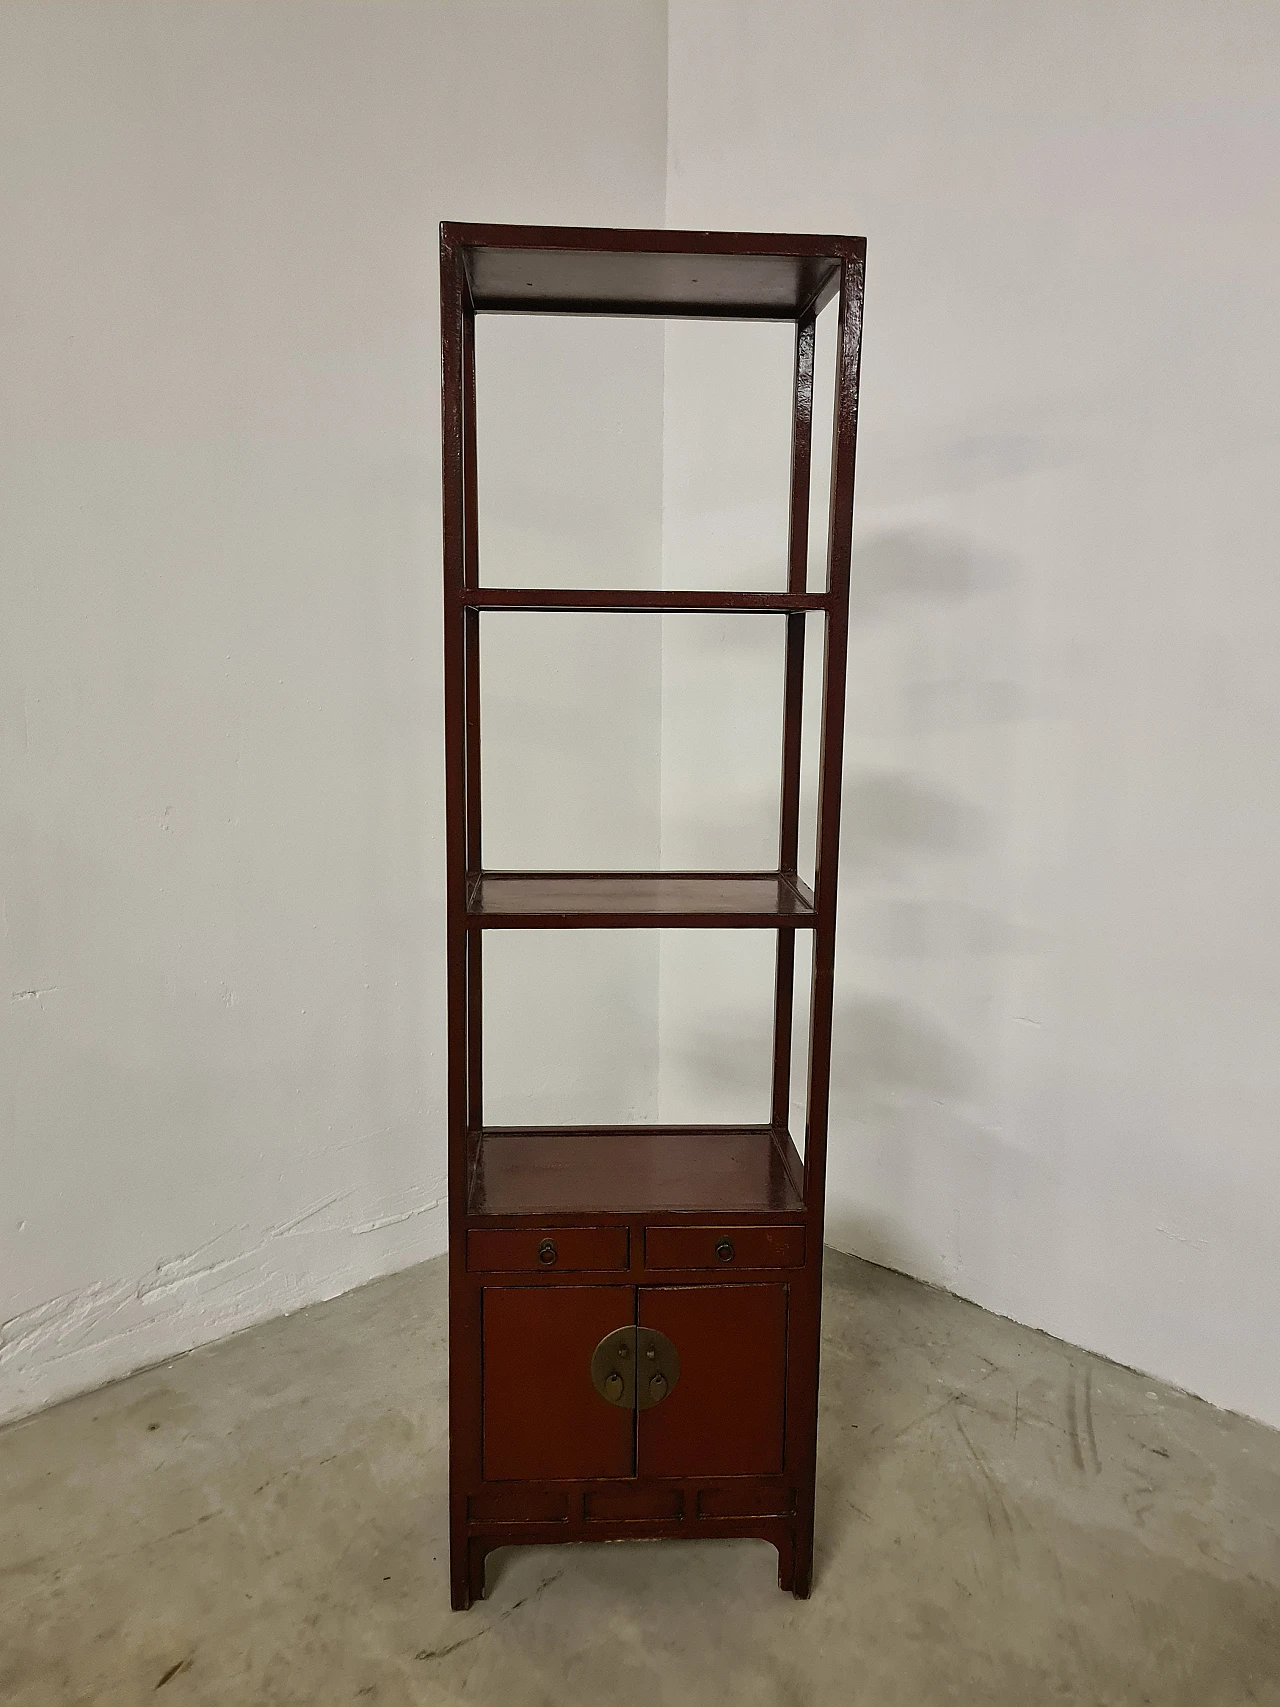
x,y
724,1417
542,1416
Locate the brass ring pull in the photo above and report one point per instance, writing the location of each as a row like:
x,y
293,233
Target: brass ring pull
x,y
635,1368
724,1250
547,1252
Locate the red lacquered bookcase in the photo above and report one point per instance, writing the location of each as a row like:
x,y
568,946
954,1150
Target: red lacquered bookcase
x,y
634,1310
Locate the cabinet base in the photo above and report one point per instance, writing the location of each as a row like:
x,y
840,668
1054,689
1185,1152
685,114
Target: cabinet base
x,y
469,1556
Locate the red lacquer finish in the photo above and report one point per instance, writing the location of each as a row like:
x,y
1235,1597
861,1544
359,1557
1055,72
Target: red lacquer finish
x,y
726,1413
542,1416
726,1246
711,1236
546,1250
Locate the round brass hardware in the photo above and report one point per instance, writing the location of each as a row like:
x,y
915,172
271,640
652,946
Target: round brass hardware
x,y
547,1252
724,1250
662,1367
613,1368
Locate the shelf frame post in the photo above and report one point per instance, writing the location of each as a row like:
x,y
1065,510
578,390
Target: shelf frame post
x,y
461,792
807,1295
793,706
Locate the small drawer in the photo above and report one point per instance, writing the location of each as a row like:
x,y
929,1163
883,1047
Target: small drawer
x,y
723,1248
546,1250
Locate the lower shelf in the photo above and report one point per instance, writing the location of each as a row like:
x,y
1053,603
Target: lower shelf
x,y
625,1170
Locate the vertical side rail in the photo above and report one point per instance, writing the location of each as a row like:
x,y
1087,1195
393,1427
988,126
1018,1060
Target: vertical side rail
x,y
471,663
839,544
807,1296
464,1312
792,705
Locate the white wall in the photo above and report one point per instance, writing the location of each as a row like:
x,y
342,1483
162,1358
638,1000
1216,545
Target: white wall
x,y
221,1021
221,1024
1057,1073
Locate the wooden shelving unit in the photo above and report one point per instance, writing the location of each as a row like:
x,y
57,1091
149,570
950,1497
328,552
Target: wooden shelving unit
x,y
634,1311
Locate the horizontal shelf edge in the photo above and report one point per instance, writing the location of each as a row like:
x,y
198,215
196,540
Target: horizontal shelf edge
x,y
609,900
633,1129
639,240
691,920
641,310
659,599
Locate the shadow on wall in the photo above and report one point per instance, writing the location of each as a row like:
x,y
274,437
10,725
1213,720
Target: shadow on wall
x,y
920,565
931,943
886,1053
892,815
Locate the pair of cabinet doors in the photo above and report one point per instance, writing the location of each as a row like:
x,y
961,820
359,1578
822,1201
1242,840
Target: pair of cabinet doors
x,y
545,1420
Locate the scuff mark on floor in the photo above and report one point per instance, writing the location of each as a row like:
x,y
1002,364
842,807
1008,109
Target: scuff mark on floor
x,y
1088,1422
1073,1424
478,1635
173,1671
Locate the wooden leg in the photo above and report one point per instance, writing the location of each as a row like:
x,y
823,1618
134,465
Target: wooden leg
x,y
459,1576
802,1572
786,1560
477,1554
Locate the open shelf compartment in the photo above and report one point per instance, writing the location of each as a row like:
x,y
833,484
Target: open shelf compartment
x,y
628,1170
565,900
701,274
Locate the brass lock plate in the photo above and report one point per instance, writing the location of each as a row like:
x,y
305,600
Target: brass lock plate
x,y
657,1367
613,1368
635,1368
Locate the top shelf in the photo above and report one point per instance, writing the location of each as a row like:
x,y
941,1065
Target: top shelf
x,y
716,275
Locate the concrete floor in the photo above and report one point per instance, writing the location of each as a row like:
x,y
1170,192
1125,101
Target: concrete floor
x,y
1002,1518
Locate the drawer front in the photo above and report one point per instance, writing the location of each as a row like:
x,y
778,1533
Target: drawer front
x,y
723,1248
546,1250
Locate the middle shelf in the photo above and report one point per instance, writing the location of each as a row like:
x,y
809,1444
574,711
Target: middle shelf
x,y
627,1170
558,900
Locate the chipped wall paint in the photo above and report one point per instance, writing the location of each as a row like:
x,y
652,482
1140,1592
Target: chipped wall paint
x,y
221,878
68,1343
